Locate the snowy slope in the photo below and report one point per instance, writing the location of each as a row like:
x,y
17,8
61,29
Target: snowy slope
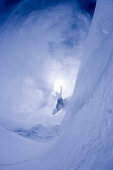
x,y
16,150
86,142
97,53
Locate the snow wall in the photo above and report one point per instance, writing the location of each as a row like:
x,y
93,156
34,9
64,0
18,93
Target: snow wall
x,y
97,53
87,140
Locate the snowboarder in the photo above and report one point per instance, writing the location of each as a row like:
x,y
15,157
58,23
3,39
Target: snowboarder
x,y
60,101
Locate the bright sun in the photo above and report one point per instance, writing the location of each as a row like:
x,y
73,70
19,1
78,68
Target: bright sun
x,y
58,83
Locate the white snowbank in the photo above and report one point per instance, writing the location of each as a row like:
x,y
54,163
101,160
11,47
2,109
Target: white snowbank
x,y
87,142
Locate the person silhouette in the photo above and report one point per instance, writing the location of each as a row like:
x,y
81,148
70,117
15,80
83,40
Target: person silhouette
x,y
60,101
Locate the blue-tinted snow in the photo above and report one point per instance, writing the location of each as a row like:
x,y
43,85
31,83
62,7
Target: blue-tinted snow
x,y
86,140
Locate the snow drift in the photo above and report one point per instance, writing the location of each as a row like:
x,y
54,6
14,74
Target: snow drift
x,y
86,142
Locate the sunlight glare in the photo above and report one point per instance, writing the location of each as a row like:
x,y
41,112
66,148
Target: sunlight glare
x,y
59,83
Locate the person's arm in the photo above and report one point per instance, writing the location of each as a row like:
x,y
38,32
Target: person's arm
x,y
60,90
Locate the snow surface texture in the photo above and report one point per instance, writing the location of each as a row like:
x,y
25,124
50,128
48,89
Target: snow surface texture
x,y
86,142
39,132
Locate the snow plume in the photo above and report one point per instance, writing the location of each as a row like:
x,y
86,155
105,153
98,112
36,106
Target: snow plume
x,y
35,52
